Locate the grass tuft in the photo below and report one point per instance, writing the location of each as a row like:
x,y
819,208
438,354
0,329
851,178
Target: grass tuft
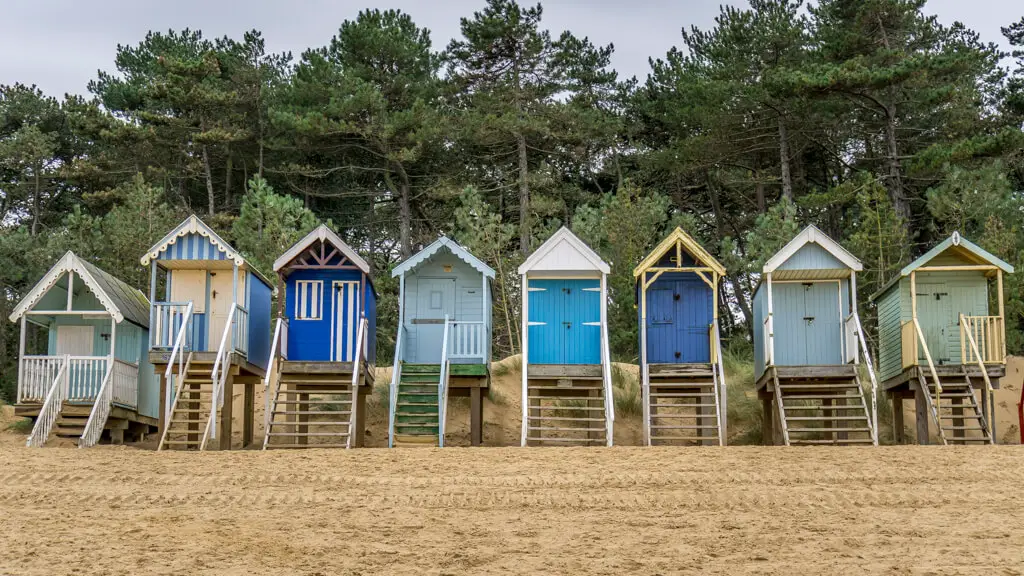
x,y
21,426
507,366
626,390
744,410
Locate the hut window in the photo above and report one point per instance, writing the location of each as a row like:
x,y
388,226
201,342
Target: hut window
x,y
309,299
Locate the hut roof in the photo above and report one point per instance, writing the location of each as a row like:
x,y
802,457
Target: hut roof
x,y
454,247
321,234
564,251
688,244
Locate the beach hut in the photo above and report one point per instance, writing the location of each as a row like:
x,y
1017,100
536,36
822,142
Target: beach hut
x,y
940,343
443,346
567,394
324,346
682,380
88,375
210,332
808,343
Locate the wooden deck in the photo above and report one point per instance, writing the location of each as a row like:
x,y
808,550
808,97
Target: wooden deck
x,y
905,380
122,421
159,361
805,373
323,368
679,370
564,371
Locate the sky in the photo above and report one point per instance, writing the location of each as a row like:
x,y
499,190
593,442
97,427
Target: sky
x,y
60,44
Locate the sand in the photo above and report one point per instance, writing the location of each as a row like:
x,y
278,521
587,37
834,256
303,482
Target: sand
x,y
739,510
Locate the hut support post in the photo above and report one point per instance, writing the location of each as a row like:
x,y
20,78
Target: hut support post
x,y
21,354
770,360
1002,312
526,346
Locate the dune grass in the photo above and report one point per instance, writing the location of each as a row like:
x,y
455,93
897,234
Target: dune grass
x,y
744,409
626,390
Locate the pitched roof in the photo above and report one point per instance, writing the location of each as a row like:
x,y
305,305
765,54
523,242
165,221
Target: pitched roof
x,y
122,301
443,242
564,251
321,234
192,224
812,235
963,247
689,244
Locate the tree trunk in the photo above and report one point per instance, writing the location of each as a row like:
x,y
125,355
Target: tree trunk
x,y
405,214
524,197
227,180
896,193
35,202
210,198
787,178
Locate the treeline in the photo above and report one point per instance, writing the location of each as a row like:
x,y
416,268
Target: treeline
x,y
867,117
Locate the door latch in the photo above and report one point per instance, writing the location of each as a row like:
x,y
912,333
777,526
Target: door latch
x,y
568,325
809,320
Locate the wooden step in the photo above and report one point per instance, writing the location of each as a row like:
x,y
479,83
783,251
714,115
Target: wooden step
x,y
296,434
314,412
565,387
564,440
415,439
819,397
563,429
682,394
681,405
799,442
566,419
303,446
592,408
682,427
290,402
824,418
826,430
567,398
833,407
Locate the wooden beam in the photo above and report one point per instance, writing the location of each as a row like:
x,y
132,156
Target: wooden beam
x,y
679,253
67,313
680,269
705,279
655,278
1002,311
970,268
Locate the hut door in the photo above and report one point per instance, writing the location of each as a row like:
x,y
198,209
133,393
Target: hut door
x,y
662,341
933,313
220,305
435,298
694,307
581,321
346,320
807,327
75,340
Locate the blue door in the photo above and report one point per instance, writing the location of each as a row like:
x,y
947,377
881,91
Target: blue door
x,y
564,318
679,314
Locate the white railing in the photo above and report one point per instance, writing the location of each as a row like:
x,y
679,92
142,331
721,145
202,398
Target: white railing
x,y
125,384
442,384
396,375
182,343
357,367
965,329
219,376
467,339
240,330
609,394
51,408
273,377
723,392
85,377
856,331
99,413
645,384
37,375
167,319
766,342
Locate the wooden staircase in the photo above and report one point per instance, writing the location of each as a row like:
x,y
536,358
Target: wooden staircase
x,y
566,415
416,415
191,412
960,417
823,410
682,407
311,411
70,424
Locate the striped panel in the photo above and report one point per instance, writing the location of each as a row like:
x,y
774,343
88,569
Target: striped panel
x,y
346,309
192,246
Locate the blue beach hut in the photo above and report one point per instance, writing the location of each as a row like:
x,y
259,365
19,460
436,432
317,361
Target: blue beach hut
x,y
325,342
565,344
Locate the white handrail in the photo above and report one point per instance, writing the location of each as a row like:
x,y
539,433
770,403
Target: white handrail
x,y
357,367
396,374
442,385
51,408
270,399
645,385
989,396
606,373
100,411
859,329
180,343
219,376
723,392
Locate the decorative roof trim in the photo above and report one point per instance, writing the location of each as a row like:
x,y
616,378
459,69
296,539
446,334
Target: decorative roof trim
x,y
192,224
812,235
323,234
958,241
564,235
691,246
68,263
442,242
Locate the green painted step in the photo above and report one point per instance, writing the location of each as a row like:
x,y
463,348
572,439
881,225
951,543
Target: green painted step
x,y
429,419
421,368
417,378
417,408
416,429
405,396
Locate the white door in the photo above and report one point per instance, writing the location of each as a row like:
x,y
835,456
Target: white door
x,y
346,320
75,340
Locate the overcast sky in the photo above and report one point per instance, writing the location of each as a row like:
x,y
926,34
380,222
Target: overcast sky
x,y
60,44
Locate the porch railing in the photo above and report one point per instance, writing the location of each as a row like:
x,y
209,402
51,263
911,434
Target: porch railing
x,y
240,330
182,344
125,384
85,377
99,413
766,342
442,383
51,407
967,332
467,339
166,322
987,333
37,375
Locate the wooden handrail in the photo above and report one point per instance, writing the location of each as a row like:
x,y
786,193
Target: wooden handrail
x,y
859,329
989,395
935,378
